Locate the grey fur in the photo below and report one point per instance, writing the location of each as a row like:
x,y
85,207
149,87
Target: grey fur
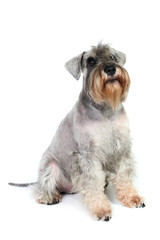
x,y
91,144
74,66
103,52
22,184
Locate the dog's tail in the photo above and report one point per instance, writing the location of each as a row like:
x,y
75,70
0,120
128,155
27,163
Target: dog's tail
x,y
22,184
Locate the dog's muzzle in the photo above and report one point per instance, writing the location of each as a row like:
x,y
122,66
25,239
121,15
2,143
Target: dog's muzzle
x,y
109,82
112,76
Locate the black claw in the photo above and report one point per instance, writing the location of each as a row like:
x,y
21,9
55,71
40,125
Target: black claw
x,y
141,206
107,219
55,202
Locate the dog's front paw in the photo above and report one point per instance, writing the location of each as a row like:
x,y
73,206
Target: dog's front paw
x,y
133,201
98,205
128,195
103,215
101,211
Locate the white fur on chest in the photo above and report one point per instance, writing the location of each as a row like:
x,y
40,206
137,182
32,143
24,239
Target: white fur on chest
x,y
110,135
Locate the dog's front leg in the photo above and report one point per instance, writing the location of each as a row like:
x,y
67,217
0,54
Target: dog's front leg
x,y
126,193
89,180
98,204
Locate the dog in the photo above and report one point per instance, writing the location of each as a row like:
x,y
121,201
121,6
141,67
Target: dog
x,y
92,145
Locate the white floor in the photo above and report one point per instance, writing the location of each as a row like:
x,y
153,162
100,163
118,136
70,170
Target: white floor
x,y
23,218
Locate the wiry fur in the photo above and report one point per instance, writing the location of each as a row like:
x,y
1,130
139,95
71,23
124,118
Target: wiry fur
x,y
93,141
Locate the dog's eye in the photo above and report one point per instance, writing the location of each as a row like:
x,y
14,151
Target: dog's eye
x,y
112,58
91,61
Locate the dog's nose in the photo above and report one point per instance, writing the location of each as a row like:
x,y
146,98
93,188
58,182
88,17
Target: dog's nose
x,y
110,70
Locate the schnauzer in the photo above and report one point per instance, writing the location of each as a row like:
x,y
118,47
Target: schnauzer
x,y
92,145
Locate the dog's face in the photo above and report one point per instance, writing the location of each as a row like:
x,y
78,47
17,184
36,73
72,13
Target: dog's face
x,y
105,79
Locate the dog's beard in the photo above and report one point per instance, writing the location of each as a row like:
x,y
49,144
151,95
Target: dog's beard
x,y
111,90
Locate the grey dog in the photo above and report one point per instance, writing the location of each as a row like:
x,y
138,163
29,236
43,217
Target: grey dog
x,y
92,144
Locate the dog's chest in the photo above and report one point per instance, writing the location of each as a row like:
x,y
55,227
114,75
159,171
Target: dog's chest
x,y
111,136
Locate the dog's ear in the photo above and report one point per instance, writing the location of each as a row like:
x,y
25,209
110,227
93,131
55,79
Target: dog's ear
x,y
121,58
74,66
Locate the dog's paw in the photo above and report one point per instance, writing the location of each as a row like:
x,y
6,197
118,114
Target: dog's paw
x,y
98,205
134,201
103,215
50,200
55,200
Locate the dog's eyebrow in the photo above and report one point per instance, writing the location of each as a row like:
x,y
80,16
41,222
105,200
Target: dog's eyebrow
x,y
82,58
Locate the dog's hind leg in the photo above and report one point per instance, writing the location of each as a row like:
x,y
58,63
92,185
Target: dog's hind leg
x,y
46,191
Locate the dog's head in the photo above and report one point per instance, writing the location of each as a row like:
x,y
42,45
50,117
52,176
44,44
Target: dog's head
x,y
105,79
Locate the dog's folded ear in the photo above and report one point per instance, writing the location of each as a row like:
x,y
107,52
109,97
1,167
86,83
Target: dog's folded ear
x,y
74,66
122,58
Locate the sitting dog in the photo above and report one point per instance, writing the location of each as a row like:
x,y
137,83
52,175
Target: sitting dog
x,y
92,145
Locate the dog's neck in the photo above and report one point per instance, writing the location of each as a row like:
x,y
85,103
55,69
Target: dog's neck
x,y
99,111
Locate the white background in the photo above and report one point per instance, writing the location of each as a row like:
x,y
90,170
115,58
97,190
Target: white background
x,y
36,92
